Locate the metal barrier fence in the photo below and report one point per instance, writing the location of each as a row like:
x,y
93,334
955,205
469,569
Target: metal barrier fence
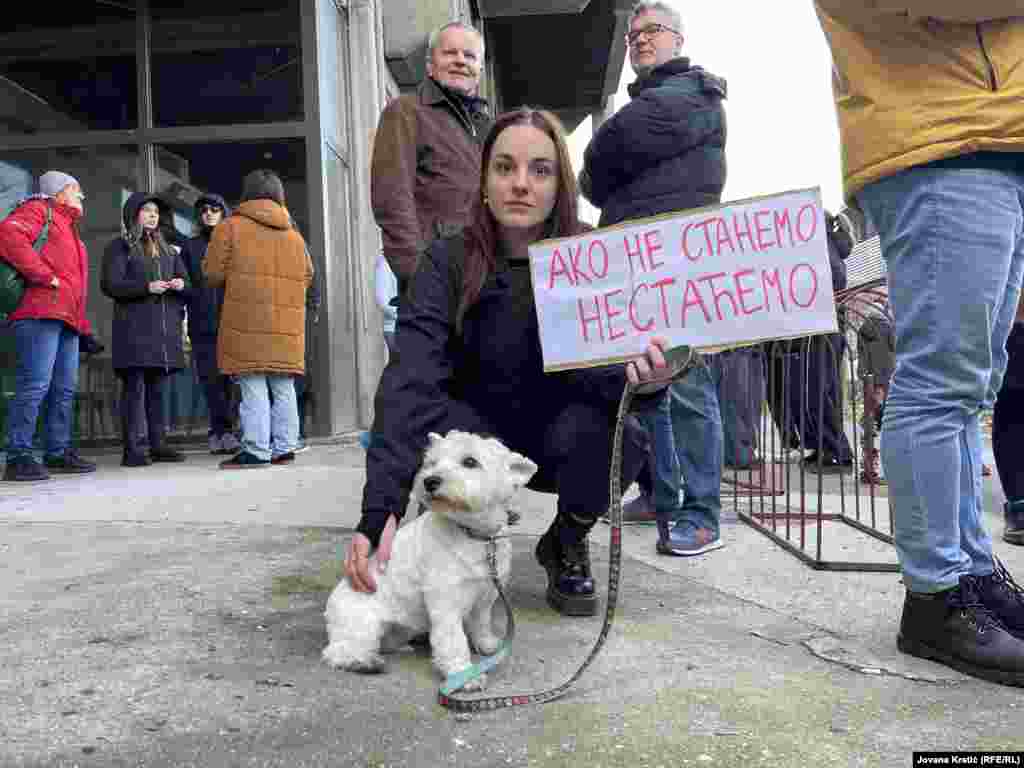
x,y
809,473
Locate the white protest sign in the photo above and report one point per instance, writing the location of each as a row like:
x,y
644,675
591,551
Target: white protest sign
x,y
724,275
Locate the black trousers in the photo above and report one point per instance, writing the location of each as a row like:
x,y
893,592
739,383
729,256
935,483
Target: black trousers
x,y
804,394
573,453
303,395
216,386
1008,419
143,391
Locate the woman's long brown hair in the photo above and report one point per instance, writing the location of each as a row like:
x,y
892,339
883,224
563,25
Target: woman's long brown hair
x,y
482,232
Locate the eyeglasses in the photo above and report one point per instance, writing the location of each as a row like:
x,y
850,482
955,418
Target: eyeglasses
x,y
634,35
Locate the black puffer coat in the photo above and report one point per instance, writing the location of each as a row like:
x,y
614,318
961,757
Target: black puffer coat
x,y
663,151
205,302
147,328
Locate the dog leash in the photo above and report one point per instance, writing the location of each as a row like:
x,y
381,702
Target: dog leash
x,y
680,360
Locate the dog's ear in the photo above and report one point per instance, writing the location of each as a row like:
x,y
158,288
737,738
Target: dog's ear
x,y
520,468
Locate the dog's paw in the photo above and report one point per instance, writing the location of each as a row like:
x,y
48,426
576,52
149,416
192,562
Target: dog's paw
x,y
338,658
476,684
487,645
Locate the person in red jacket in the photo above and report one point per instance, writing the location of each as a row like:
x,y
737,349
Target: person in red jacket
x,y
47,325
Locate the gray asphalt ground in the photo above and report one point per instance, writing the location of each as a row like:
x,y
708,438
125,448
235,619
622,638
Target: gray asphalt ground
x,y
172,616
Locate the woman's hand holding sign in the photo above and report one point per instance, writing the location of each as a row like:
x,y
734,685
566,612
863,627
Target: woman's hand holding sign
x,y
651,371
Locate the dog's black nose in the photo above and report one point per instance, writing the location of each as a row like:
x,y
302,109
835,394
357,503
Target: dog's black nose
x,y
432,483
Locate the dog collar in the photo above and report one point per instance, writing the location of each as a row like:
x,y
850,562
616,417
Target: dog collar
x,y
476,534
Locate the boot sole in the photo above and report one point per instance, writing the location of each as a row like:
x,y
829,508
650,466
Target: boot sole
x,y
667,549
923,651
568,605
65,471
1017,537
572,605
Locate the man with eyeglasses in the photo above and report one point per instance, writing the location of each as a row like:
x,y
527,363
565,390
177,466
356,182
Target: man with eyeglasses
x,y
665,151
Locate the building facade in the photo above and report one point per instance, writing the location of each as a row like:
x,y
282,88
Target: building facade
x,y
186,97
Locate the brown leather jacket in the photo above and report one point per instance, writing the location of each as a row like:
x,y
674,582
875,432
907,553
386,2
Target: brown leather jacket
x,y
265,268
425,173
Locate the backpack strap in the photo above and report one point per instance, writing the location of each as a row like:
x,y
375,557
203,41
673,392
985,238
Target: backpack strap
x,y
44,233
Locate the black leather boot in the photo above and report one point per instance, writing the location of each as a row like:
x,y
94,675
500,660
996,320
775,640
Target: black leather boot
x,y
1013,515
956,629
564,552
1005,598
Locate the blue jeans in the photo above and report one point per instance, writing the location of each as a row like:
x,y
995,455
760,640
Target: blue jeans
x,y
664,477
739,384
47,368
268,430
697,438
953,245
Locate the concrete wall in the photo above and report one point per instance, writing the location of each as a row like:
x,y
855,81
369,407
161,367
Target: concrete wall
x,y
353,87
406,25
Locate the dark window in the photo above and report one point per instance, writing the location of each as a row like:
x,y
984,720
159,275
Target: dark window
x,y
214,65
186,170
68,70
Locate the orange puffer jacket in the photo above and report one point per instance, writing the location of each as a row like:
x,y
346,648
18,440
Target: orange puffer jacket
x,y
265,268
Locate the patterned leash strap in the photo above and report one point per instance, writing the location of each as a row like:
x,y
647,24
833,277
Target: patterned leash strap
x,y
680,361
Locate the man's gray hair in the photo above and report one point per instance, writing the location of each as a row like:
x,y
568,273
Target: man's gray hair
x,y
646,6
436,34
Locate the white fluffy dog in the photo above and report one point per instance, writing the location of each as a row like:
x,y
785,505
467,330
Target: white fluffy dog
x,y
438,578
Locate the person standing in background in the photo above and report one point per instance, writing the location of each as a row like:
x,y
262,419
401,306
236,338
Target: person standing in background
x,y
204,310
425,172
148,281
262,263
48,324
665,151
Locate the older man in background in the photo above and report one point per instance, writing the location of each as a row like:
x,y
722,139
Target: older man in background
x,y
665,151
426,154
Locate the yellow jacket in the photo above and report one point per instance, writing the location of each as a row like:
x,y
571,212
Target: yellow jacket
x,y
263,264
921,80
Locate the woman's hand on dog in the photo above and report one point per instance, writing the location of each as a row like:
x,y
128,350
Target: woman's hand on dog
x,y
652,368
358,570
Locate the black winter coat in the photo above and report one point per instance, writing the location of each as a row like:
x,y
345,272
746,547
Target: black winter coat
x,y
495,365
147,329
205,302
664,151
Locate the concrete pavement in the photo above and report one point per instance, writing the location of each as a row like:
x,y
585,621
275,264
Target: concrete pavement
x,y
171,616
